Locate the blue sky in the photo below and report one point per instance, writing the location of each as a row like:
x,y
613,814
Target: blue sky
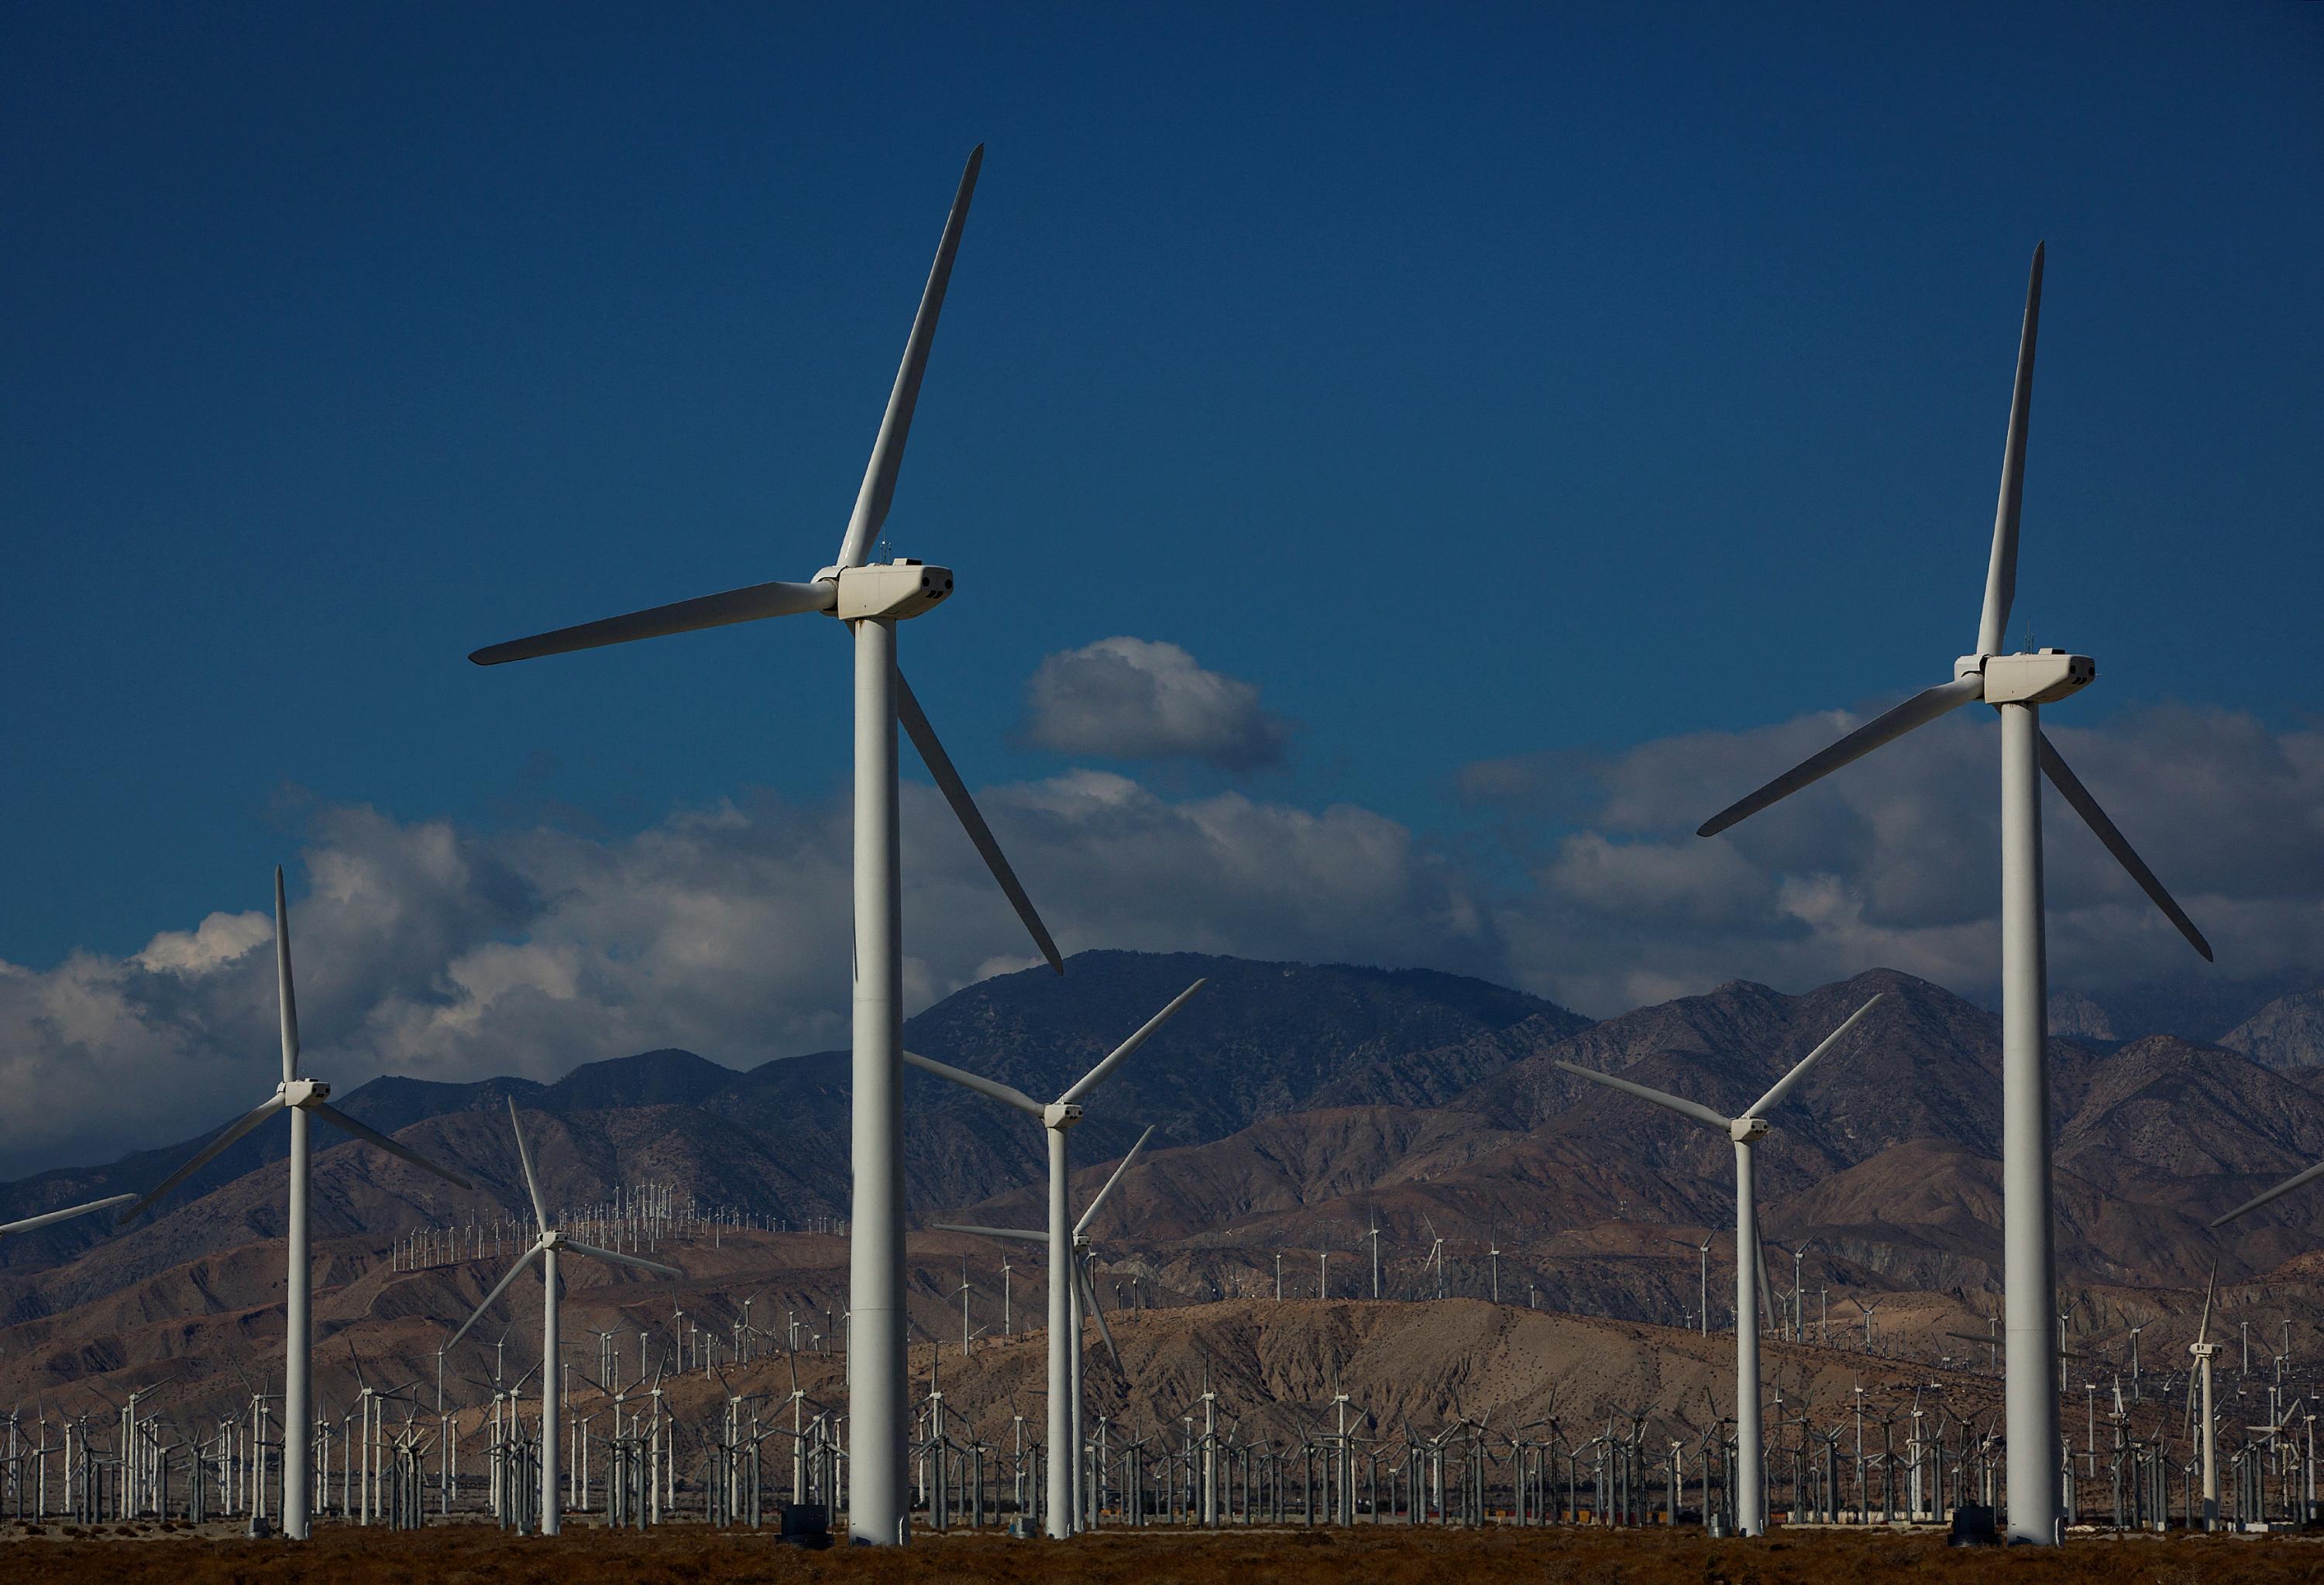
x,y
1473,383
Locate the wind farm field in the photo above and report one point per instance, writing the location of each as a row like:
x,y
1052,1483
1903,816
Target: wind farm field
x,y
1389,1555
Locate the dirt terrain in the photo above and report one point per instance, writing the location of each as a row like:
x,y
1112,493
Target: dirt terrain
x,y
472,1554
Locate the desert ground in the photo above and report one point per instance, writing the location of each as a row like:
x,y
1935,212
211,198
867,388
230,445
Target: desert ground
x,y
475,1554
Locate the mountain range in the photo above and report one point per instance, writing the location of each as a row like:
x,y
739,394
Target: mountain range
x,y
1297,1108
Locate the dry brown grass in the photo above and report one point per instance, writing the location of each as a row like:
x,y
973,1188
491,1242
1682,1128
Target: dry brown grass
x,y
472,1554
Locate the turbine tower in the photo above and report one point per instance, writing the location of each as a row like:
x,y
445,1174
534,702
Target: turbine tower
x,y
871,599
548,1247
299,1097
1746,1131
2016,686
1058,1118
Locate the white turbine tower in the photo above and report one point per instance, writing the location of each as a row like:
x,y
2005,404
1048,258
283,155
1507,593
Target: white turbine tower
x,y
1750,1277
548,1247
1057,1119
871,599
299,1097
2016,686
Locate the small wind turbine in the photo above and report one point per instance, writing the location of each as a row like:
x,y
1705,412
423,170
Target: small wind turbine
x,y
1070,1287
871,599
299,1097
2205,1351
1746,1131
2017,687
548,1247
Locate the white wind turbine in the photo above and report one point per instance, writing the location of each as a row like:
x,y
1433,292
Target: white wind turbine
x,y
1066,1342
2016,686
548,1247
1057,1119
299,1097
871,599
1746,1131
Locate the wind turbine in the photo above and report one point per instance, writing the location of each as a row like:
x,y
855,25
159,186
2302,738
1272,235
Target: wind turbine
x,y
1746,1131
2205,1351
1058,1118
871,599
2017,685
548,1247
299,1097
1070,1287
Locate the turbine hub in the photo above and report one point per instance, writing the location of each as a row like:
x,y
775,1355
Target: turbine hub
x,y
892,589
304,1092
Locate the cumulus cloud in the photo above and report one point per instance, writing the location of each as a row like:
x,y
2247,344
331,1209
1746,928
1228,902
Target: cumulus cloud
x,y
1126,698
428,949
1896,860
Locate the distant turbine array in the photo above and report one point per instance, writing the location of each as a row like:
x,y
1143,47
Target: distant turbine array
x,y
1750,1265
2017,685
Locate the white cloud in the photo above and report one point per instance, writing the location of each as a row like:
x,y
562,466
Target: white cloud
x,y
440,953
1126,698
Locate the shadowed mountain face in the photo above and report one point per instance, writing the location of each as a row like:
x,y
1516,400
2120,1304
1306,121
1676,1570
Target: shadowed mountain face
x,y
1297,1107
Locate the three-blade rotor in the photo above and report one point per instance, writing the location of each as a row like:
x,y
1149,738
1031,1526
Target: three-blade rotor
x,y
1711,1118
549,1237
287,1003
1969,685
762,601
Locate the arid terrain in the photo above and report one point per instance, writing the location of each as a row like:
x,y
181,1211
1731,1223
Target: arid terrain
x,y
472,1554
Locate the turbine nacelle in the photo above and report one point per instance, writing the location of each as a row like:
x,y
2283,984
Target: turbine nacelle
x,y
1061,1114
2042,678
302,1091
893,589
1749,1130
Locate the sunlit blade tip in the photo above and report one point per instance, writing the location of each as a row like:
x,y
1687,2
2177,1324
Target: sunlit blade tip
x,y
2080,799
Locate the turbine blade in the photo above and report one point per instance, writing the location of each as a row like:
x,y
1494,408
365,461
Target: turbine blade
x,y
1089,1296
2070,787
955,792
204,1156
371,1136
499,1288
1768,1316
286,1001
524,1159
595,1253
683,616
67,1215
1108,1189
1784,1086
1695,1110
1007,1095
2001,571
1024,1235
1120,1053
2203,1332
2296,1180
1917,710
871,502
